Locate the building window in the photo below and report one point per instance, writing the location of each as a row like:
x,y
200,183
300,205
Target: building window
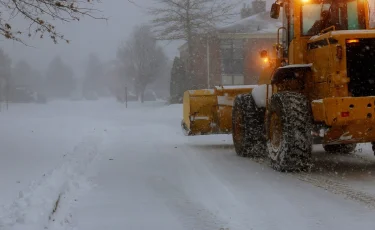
x,y
232,79
232,61
226,80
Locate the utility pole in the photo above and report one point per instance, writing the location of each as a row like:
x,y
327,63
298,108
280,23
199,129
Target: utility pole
x,y
208,63
126,97
7,94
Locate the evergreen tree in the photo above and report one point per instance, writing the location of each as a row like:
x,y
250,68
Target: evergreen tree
x,y
177,86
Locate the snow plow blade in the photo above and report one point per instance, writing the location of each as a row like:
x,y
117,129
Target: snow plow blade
x,y
209,111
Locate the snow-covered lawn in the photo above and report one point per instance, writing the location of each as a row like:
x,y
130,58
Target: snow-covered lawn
x,y
45,152
94,165
37,138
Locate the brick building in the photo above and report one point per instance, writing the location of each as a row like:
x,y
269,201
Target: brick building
x,y
230,54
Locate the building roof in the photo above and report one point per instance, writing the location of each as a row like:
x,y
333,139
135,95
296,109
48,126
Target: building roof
x,y
260,23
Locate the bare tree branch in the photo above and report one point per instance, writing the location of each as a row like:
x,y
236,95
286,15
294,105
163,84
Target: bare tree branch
x,y
40,13
142,58
189,17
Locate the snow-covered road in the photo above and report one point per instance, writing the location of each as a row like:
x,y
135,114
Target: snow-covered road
x,y
133,169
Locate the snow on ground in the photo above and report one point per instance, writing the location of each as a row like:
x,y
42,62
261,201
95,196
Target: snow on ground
x,y
45,151
35,138
98,165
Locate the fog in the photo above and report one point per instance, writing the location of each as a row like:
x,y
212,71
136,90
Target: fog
x,y
99,37
86,36
89,36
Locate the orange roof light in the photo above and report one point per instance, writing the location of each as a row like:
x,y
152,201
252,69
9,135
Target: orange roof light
x,y
305,1
352,41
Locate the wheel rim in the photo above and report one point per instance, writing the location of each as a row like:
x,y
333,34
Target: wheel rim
x,y
275,131
237,132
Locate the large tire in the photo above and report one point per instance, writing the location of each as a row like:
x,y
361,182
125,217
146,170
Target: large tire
x,y
341,148
289,124
248,127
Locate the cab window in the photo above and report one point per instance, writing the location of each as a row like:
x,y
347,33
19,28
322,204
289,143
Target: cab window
x,y
343,15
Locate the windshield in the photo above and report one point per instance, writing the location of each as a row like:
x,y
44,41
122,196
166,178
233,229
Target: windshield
x,y
343,15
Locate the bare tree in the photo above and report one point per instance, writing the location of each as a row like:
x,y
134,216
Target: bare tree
x,y
183,19
142,58
40,13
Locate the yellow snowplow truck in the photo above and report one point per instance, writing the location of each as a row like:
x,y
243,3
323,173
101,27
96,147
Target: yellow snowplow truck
x,y
319,87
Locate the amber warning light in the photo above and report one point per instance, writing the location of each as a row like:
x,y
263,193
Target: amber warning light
x,y
352,41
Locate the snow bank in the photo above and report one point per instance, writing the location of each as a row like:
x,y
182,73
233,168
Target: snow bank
x,y
259,94
48,153
45,204
35,137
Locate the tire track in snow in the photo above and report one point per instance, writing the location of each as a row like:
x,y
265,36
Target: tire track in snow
x,y
209,190
192,215
46,203
337,187
331,185
175,195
